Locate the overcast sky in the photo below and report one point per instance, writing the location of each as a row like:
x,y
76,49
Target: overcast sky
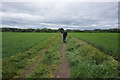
x,y
68,15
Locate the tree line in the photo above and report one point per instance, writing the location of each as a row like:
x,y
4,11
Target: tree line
x,y
115,30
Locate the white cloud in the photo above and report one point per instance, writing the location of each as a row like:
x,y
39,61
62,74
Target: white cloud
x,y
108,25
94,25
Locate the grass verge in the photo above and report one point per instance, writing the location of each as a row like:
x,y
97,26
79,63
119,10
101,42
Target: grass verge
x,y
49,64
87,61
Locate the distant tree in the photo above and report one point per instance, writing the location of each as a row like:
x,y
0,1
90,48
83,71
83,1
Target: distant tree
x,y
61,30
115,30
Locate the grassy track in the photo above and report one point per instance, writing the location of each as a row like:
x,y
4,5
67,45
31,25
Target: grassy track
x,y
87,61
16,65
108,42
19,42
48,65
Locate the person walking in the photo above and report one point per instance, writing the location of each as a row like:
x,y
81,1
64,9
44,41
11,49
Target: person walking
x,y
64,36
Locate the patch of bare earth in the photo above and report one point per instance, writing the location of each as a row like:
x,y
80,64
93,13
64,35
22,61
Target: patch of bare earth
x,y
32,67
64,70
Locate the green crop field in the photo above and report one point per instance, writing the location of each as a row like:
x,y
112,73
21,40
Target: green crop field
x,y
18,42
38,55
108,42
21,50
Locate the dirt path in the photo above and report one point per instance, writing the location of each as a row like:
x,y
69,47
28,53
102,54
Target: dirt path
x,y
33,66
64,71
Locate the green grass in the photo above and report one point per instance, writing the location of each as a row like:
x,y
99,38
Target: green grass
x,y
50,62
16,65
19,42
107,42
87,61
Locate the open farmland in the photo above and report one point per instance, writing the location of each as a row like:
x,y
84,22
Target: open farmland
x,y
38,55
107,42
18,42
18,64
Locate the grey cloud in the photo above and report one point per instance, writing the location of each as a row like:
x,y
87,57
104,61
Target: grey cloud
x,y
69,14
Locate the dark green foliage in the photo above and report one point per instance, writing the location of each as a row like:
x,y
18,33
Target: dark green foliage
x,y
61,30
115,30
28,30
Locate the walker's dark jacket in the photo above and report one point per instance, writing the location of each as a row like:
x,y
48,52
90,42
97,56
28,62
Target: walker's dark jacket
x,y
64,33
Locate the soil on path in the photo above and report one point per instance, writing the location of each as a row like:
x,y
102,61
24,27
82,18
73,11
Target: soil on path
x,y
64,70
33,66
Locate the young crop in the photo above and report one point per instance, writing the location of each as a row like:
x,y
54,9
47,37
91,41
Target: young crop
x,y
13,43
17,64
106,42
